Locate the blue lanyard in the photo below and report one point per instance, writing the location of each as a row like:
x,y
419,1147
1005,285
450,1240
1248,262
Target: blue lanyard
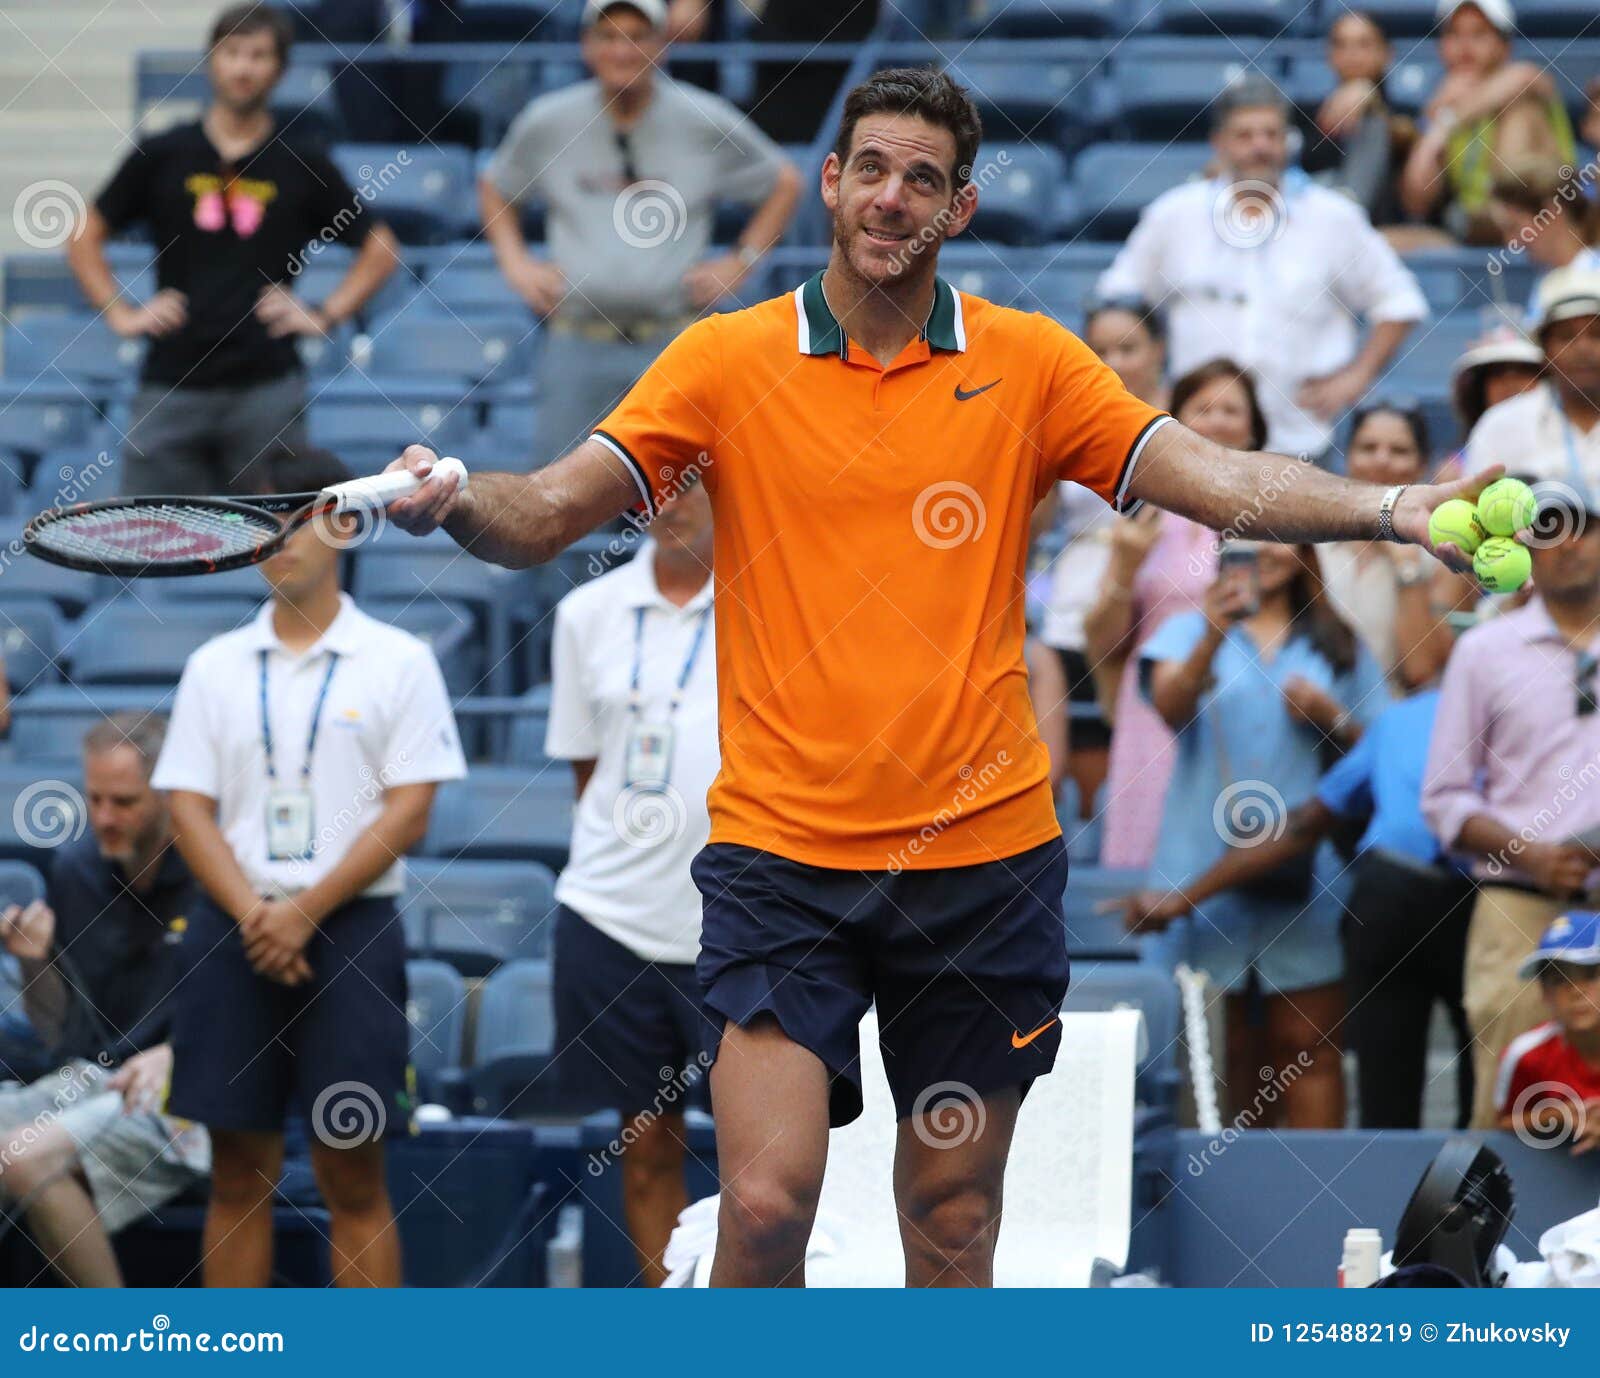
x,y
688,664
1580,483
316,717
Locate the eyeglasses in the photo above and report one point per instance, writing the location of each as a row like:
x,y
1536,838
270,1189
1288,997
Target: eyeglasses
x,y
630,172
1588,666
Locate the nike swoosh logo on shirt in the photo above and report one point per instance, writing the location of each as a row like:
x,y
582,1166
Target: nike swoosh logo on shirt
x,y
963,395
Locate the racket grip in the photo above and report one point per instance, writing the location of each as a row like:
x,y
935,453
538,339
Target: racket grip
x,y
385,488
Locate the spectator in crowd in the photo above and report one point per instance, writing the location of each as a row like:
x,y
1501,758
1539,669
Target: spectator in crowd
x,y
1488,112
230,203
1131,337
1548,216
1516,717
302,761
1160,564
87,1149
1405,923
1355,142
1384,590
1552,433
633,706
1258,687
630,165
1501,365
1262,265
1549,1080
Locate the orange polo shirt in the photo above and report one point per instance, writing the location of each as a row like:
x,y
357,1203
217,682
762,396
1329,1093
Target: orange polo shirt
x,y
871,528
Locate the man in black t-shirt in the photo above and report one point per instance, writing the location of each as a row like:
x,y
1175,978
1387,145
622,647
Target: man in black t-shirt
x,y
235,208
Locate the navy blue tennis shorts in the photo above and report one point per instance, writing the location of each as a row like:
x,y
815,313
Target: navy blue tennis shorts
x,y
967,966
245,1049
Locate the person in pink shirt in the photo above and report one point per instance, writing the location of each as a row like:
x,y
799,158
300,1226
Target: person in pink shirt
x,y
1160,564
1509,784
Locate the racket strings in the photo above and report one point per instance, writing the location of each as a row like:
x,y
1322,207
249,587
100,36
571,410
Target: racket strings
x,y
156,534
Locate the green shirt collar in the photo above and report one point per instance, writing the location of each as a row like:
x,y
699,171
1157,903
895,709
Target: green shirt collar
x,y
821,333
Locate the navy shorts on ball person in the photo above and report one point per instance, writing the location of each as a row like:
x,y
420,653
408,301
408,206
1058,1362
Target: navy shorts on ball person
x,y
245,1048
967,965
631,1035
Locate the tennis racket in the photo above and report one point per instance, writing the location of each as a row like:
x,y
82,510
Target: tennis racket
x,y
170,537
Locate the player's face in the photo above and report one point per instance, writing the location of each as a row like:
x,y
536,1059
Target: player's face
x,y
244,69
1253,145
1357,49
124,811
1124,343
1471,44
620,47
1220,411
1573,350
1385,451
1573,993
894,199
1570,568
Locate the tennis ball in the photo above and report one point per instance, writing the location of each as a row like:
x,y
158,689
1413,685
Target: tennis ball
x,y
1506,507
1457,522
1502,566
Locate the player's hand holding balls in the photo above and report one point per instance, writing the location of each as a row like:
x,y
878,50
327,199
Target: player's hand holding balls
x,y
1487,529
1507,506
1502,565
1457,522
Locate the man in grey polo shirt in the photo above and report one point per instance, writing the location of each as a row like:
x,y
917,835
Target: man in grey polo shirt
x,y
630,166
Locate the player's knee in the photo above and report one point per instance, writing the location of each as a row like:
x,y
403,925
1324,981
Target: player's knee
x,y
351,1181
954,1216
768,1215
243,1175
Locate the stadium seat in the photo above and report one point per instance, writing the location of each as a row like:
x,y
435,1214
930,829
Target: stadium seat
x,y
478,938
1018,182
30,641
47,724
471,290
436,1009
528,731
1114,182
303,102
337,21
504,813
515,1045
40,416
1422,363
501,21
425,194
24,577
1459,280
74,473
1556,19
356,410
1053,100
50,346
1092,934
20,883
43,281
494,93
448,630
1413,79
133,640
246,587
1054,18
1399,18
426,341
41,808
431,882
1270,18
321,267
1163,89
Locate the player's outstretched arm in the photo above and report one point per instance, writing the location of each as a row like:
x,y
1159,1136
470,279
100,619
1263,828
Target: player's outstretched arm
x,y
1277,497
517,520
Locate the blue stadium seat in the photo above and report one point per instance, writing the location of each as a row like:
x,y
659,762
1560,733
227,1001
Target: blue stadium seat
x,y
448,630
504,813
1053,100
1270,18
431,882
510,21
528,731
1424,358
323,266
494,92
132,640
1162,89
1557,19
1092,934
74,473
1016,203
516,1041
30,641
1115,182
23,577
361,412
1399,18
246,587
1458,280
43,281
436,1009
1054,18
1413,79
20,883
1133,985
471,290
428,342
425,194
41,808
40,416
49,346
304,101
47,725
337,21
478,938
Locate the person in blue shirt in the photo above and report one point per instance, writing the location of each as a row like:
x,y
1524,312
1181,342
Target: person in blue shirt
x,y
1259,688
1405,925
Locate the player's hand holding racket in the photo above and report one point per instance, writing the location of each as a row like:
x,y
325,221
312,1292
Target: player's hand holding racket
x,y
163,537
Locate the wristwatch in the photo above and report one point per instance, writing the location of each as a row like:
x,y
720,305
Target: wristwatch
x,y
1386,507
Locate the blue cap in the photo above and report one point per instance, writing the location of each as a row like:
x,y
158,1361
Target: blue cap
x,y
1574,937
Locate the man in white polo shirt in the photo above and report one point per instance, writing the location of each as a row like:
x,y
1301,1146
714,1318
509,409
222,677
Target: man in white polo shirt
x,y
633,706
302,758
1551,433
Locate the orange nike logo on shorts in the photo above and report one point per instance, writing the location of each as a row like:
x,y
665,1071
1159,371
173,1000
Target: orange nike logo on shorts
x,y
1019,1041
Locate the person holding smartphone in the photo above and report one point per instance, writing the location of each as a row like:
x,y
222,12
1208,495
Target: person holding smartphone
x,y
1259,687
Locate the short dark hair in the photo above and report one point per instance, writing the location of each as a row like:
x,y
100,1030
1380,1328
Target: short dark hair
x,y
1149,316
305,470
927,94
255,18
1410,415
1214,371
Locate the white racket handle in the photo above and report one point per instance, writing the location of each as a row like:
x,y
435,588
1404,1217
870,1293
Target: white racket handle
x,y
382,489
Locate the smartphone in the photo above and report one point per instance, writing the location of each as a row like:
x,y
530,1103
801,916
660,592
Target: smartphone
x,y
1237,562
